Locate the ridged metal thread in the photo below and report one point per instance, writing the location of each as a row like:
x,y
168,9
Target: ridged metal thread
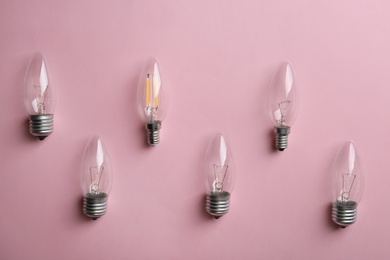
x,y
153,132
95,206
41,125
217,204
281,140
344,213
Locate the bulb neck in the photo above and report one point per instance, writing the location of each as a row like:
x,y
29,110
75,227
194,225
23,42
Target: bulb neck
x,y
41,126
95,205
344,213
153,132
281,140
218,203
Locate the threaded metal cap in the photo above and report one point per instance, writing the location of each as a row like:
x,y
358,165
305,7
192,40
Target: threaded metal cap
x,y
218,204
344,213
153,132
95,205
41,126
281,140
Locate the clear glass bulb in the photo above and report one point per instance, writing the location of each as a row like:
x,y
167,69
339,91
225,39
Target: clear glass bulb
x,y
96,178
282,104
39,97
220,176
347,185
152,100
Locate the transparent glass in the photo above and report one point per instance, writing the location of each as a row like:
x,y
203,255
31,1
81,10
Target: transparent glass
x,y
347,181
282,105
220,169
39,96
152,101
96,173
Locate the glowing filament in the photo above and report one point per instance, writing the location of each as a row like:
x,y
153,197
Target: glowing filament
x,y
147,100
151,95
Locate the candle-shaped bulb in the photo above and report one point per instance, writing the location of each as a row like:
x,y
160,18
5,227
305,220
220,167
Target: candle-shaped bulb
x,y
39,97
96,179
220,176
282,104
347,185
152,100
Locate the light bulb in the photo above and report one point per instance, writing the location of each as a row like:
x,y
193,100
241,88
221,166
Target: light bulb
x,y
39,97
220,176
96,178
152,101
347,185
282,104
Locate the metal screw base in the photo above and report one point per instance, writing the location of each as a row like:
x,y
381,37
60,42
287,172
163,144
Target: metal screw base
x,y
217,204
282,133
41,126
95,206
344,213
153,129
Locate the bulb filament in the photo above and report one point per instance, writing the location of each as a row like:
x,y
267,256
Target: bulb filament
x,y
40,99
220,174
282,108
96,175
348,180
151,103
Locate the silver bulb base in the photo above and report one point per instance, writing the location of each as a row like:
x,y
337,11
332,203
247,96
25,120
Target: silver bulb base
x,y
153,132
344,213
95,205
218,203
281,140
41,126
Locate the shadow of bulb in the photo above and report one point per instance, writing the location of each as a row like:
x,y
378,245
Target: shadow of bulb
x,y
282,105
347,185
152,101
96,179
39,97
220,176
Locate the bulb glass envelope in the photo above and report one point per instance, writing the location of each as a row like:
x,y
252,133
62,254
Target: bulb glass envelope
x,y
39,93
347,179
282,104
220,168
152,100
96,173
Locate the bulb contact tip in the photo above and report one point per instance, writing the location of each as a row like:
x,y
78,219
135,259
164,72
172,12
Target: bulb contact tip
x,y
281,140
153,132
41,126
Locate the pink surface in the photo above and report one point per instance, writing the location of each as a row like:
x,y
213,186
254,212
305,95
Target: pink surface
x,y
217,59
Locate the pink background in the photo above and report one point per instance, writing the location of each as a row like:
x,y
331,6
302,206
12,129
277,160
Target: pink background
x,y
217,59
